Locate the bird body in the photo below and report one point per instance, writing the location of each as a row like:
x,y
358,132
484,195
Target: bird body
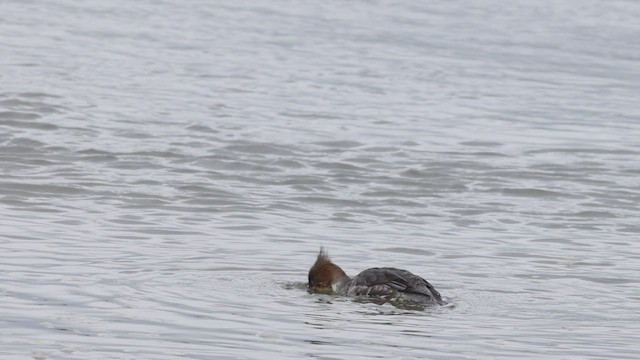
x,y
386,283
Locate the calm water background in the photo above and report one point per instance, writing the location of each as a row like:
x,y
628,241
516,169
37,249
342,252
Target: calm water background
x,y
169,170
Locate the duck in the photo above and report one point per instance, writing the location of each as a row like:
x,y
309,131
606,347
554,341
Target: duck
x,y
385,284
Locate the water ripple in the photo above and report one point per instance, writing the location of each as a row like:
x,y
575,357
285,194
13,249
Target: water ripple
x,y
169,174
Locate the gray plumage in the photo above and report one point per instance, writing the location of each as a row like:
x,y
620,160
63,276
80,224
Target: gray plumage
x,y
392,284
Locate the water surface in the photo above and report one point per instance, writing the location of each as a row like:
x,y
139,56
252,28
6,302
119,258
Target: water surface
x,y
170,169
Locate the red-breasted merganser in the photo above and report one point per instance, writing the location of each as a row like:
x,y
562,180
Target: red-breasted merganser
x,y
389,284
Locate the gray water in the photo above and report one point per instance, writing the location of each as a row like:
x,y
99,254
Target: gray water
x,y
169,170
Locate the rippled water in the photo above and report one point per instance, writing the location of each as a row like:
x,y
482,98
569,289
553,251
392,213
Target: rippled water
x,y
170,169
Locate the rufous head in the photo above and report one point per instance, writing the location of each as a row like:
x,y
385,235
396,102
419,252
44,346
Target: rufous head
x,y
324,273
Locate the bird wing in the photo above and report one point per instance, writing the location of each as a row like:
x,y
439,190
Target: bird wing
x,y
379,282
390,281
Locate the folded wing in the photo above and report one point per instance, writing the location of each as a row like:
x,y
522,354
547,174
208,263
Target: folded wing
x,y
391,282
